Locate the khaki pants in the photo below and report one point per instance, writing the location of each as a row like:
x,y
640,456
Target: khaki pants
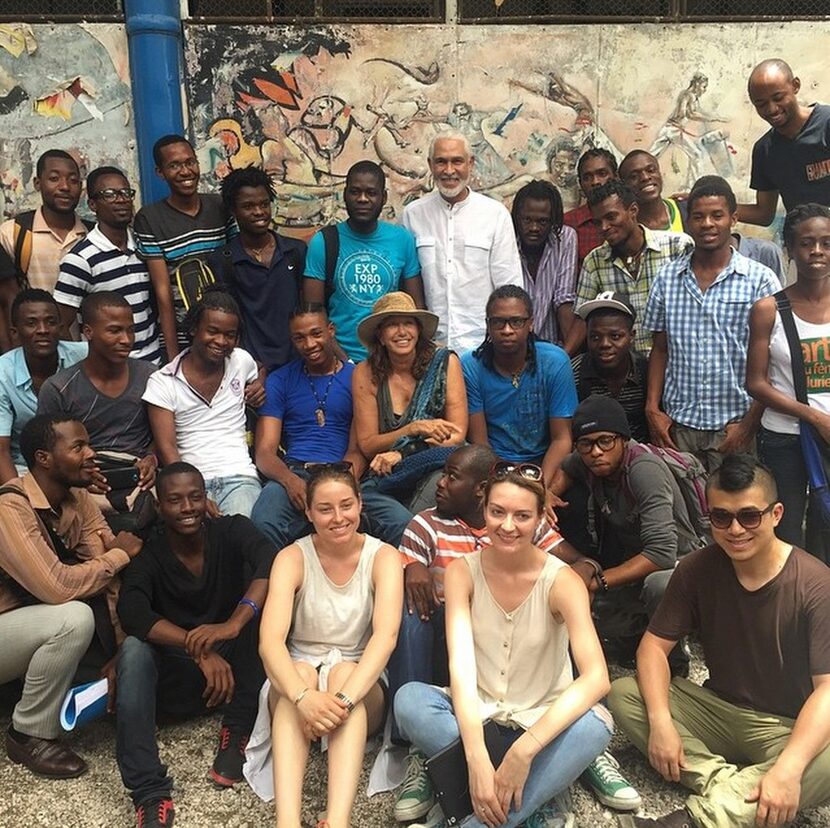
x,y
703,444
728,749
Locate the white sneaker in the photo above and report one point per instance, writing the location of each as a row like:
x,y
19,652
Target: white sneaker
x,y
435,819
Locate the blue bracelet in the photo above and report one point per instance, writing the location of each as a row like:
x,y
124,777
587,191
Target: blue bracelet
x,y
251,604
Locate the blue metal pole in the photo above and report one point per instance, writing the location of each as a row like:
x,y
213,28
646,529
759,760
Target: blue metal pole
x,y
154,33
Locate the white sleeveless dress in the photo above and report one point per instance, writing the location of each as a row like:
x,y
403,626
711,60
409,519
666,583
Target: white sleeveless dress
x,y
340,616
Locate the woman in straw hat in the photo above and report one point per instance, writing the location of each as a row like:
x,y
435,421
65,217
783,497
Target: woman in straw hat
x,y
410,403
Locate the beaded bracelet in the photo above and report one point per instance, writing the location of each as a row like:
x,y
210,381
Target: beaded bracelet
x,y
252,604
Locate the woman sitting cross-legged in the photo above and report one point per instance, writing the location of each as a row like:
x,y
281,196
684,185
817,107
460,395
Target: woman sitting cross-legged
x,y
410,402
511,612
328,629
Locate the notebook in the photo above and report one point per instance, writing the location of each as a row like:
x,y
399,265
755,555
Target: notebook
x,y
449,776
84,703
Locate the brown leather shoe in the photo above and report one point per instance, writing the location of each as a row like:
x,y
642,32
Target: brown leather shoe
x,y
45,757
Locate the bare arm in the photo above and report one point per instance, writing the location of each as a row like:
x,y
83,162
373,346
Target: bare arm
x,y
565,318
779,791
763,211
387,578
314,290
665,748
8,290
559,448
68,317
414,286
286,578
659,422
354,455
634,569
576,336
267,443
160,280
7,467
477,431
163,426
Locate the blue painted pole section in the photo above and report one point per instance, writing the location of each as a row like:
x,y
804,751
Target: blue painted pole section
x,y
154,33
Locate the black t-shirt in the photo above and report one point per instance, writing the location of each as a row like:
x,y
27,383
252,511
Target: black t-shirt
x,y
157,586
762,648
799,168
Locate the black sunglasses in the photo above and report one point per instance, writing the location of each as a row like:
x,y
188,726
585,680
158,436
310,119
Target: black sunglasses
x,y
502,468
748,518
319,468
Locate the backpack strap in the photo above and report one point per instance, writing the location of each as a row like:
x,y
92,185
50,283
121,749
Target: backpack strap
x,y
23,224
785,311
228,273
331,242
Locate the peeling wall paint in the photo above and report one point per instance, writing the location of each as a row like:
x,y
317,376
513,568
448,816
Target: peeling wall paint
x,y
62,87
305,103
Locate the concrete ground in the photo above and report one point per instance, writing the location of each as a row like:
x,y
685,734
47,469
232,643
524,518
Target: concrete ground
x,y
97,800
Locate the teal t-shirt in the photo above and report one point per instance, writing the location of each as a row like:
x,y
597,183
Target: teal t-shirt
x,y
368,267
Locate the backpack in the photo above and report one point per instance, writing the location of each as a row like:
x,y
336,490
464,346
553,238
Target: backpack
x,y
23,240
690,476
191,277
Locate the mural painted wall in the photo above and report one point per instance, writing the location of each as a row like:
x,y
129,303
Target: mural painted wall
x,y
307,103
66,87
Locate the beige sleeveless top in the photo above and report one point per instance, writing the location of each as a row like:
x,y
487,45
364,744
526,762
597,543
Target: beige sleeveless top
x,y
522,661
330,622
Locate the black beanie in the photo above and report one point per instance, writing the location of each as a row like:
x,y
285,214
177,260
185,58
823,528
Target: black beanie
x,y
599,413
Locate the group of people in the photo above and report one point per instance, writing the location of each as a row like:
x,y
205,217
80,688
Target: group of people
x,y
435,474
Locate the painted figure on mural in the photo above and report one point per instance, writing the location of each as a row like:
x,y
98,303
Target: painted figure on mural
x,y
676,133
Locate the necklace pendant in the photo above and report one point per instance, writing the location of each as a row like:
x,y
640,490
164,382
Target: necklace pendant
x,y
321,417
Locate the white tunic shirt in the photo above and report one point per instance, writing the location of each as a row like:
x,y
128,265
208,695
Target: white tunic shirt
x,y
466,251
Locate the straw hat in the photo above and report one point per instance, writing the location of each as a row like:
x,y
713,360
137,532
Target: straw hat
x,y
396,303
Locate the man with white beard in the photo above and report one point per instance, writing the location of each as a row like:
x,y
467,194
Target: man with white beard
x,y
466,245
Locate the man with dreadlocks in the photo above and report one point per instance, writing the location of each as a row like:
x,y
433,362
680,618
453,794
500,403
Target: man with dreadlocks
x,y
196,405
520,392
547,251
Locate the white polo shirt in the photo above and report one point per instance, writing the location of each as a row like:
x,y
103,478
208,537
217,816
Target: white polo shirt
x,y
466,251
210,435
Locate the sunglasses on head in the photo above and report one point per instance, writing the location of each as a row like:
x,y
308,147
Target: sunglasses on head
x,y
748,518
529,471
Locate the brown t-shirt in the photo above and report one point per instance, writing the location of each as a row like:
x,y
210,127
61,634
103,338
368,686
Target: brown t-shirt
x,y
763,647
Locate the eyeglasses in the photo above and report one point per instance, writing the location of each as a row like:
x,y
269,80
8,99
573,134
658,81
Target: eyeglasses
x,y
319,468
111,194
499,323
748,518
175,166
585,445
530,471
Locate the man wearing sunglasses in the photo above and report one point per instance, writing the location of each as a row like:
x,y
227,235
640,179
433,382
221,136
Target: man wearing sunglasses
x,y
106,260
753,744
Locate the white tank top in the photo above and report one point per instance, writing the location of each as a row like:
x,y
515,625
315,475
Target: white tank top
x,y
329,617
815,345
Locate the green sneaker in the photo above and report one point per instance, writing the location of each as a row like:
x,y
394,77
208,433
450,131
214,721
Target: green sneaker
x,y
435,819
610,787
554,814
416,796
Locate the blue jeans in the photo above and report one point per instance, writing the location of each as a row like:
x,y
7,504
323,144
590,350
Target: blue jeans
x,y
420,643
234,495
151,676
425,717
275,516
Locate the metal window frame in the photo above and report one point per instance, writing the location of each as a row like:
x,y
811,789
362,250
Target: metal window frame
x,y
439,15
118,17
678,14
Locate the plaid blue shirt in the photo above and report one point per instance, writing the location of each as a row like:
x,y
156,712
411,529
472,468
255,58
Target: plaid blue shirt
x,y
708,338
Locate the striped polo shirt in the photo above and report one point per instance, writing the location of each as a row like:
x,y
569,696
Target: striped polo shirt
x,y
95,264
183,241
435,542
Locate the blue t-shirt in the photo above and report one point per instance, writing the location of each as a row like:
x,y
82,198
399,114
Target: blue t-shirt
x,y
368,267
288,397
517,418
